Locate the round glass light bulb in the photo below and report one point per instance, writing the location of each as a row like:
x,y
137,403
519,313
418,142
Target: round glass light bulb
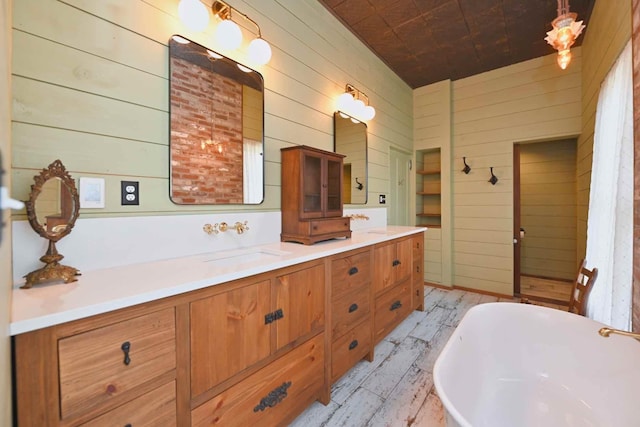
x,y
229,35
369,112
345,103
259,51
193,14
358,108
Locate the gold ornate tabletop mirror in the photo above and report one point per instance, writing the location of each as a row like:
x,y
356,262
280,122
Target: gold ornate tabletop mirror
x,y
52,210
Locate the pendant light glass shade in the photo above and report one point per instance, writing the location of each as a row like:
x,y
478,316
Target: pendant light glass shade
x,y
229,35
193,14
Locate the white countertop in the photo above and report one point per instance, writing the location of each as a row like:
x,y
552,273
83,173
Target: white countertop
x,y
105,290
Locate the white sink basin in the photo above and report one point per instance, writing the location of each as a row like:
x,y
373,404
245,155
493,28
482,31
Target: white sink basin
x,y
249,256
523,365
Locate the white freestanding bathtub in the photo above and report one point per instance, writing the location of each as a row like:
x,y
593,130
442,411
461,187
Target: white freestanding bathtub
x,y
522,365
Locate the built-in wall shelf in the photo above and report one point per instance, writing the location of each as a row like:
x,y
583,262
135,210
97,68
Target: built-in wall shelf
x,y
428,188
428,172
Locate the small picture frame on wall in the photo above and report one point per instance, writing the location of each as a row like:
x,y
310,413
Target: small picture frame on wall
x,y
91,193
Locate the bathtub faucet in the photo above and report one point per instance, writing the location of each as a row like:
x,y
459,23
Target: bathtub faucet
x,y
605,332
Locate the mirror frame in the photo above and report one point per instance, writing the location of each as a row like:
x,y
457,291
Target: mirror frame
x,y
340,115
253,77
55,170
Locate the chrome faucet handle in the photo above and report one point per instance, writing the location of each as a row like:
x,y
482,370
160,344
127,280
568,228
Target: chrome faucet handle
x,y
241,227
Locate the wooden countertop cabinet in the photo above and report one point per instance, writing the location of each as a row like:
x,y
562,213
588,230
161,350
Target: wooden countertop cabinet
x,y
311,196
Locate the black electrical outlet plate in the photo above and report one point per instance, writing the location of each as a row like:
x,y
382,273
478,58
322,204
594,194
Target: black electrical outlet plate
x,y
129,193
382,199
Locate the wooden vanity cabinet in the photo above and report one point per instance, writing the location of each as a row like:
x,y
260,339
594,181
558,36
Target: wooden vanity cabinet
x,y
255,350
311,196
392,284
351,296
259,339
78,372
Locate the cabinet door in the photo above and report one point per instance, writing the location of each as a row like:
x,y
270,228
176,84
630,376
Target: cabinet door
x,y
299,299
334,188
402,260
228,334
312,185
383,267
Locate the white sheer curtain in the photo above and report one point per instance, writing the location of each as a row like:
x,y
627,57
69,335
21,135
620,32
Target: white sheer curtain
x,y
610,223
252,171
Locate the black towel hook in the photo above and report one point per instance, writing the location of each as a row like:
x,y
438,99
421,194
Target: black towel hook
x,y
493,178
467,168
359,186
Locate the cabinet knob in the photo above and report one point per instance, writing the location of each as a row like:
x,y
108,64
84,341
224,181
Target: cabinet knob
x,y
396,262
353,344
353,307
126,346
353,270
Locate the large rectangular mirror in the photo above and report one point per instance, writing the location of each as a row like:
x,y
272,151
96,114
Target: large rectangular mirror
x,y
350,139
217,128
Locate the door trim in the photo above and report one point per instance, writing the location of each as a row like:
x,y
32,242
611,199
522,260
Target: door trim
x,y
516,220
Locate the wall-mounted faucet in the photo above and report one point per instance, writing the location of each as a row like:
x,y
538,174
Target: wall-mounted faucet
x,y
216,228
605,332
241,227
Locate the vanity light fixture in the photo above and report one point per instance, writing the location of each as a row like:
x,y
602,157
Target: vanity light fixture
x,y
352,103
229,35
195,16
564,33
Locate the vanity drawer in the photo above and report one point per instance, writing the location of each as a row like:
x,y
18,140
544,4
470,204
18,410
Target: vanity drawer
x,y
352,347
350,309
329,225
156,408
391,308
350,272
98,365
273,395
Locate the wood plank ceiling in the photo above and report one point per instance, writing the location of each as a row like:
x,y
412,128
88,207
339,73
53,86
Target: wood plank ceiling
x,y
426,41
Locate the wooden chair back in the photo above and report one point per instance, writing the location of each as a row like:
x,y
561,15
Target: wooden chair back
x,y
582,288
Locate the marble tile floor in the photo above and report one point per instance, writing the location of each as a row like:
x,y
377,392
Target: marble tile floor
x,y
396,389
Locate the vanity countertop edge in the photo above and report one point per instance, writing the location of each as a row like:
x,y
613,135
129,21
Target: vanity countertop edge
x,y
105,290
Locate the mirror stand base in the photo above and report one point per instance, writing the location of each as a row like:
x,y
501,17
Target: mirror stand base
x,y
52,270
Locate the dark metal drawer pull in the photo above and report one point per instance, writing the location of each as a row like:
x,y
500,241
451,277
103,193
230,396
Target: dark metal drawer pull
x,y
126,346
353,270
353,307
395,262
128,425
396,305
273,398
353,344
273,316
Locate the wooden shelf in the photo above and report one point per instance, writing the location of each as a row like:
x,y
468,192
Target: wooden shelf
x,y
428,193
433,215
428,172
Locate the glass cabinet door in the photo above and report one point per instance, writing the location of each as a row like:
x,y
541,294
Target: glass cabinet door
x,y
334,188
311,186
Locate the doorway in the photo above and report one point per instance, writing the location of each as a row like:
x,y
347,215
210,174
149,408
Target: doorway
x,y
545,220
399,188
